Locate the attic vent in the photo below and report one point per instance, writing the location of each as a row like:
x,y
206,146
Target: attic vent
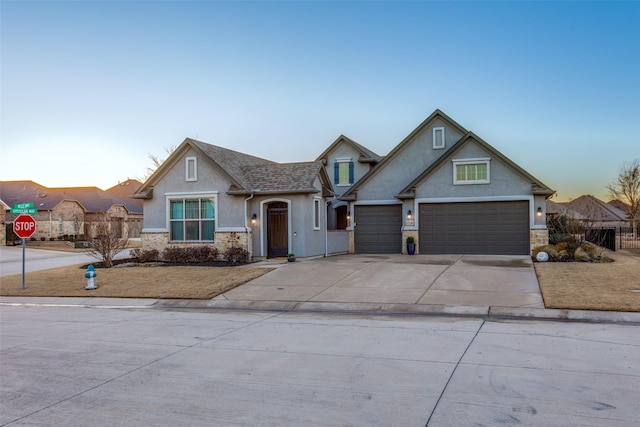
x,y
438,138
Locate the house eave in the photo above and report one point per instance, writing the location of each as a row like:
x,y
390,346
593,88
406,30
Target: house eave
x,y
145,195
271,193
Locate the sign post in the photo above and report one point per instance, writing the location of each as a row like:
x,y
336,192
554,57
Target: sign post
x,y
24,226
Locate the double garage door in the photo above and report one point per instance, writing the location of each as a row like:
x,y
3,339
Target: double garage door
x,y
447,228
498,228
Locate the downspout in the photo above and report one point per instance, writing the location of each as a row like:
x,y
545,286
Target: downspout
x,y
326,227
246,211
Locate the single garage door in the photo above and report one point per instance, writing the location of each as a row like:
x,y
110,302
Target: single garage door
x,y
378,229
496,228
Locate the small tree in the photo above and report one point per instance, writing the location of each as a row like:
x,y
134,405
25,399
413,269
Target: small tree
x,y
156,161
106,244
626,188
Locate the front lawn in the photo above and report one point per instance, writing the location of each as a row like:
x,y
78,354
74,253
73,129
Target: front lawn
x,y
612,286
132,282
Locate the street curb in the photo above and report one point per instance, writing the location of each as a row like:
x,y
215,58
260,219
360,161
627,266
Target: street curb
x,y
485,312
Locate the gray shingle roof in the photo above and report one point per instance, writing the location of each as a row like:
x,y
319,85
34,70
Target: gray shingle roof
x,y
237,165
282,177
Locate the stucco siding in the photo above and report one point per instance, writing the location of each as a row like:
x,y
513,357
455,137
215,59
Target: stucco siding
x,y
503,181
211,179
345,150
411,161
303,239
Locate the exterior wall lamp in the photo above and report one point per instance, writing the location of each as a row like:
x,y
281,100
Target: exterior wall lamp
x,y
409,214
539,212
348,215
254,219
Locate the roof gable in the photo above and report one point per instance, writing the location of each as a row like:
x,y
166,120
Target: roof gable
x,y
248,174
537,186
387,161
365,155
595,209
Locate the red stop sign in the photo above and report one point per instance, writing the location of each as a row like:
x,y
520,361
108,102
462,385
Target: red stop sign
x,y
24,226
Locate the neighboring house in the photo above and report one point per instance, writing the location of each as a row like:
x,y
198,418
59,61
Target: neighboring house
x,y
442,185
3,228
205,194
70,211
125,190
555,208
452,192
598,213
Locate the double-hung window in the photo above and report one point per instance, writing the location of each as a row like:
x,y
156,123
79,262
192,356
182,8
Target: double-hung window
x,y
471,171
192,219
343,171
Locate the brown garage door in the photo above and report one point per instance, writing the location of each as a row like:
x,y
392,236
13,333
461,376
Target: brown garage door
x,y
378,229
497,228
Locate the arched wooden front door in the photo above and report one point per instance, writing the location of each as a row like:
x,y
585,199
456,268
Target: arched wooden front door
x,y
277,229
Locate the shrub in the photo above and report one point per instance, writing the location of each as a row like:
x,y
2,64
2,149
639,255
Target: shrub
x,y
190,255
410,239
581,254
236,256
143,256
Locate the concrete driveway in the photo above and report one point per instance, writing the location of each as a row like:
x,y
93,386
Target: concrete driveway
x,y
452,280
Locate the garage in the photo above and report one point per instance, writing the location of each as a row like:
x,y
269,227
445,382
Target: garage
x,y
492,228
378,229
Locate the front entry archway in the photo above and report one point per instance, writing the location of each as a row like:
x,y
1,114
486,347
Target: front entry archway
x,y
277,229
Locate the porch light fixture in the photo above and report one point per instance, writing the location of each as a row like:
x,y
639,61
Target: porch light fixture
x,y
539,212
348,215
409,214
254,219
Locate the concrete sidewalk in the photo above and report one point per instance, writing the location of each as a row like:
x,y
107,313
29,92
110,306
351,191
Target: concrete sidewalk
x,y
461,285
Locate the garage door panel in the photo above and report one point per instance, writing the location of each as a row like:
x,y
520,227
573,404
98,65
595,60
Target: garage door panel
x,y
378,229
475,228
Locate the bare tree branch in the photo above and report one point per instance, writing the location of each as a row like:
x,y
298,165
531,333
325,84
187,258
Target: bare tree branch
x,y
626,188
106,244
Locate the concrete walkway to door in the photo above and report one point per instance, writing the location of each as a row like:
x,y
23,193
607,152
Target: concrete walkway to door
x,y
421,280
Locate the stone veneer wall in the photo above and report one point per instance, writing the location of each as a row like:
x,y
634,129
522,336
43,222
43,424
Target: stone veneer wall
x,y
538,237
223,241
352,241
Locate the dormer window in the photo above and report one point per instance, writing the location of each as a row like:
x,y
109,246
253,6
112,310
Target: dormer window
x,y
191,167
438,138
343,171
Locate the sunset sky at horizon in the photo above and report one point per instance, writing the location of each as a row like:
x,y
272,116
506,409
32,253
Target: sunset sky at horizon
x,y
88,89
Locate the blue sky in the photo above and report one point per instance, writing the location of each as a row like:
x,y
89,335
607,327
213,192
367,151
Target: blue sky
x,y
90,88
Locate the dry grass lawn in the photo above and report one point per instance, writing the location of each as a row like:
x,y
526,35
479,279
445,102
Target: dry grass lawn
x,y
591,286
132,282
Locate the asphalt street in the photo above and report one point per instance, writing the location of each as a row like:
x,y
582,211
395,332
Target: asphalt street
x,y
40,259
79,366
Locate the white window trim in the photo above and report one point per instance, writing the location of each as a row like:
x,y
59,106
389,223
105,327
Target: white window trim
x,y
484,160
195,169
344,160
436,145
316,213
180,196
